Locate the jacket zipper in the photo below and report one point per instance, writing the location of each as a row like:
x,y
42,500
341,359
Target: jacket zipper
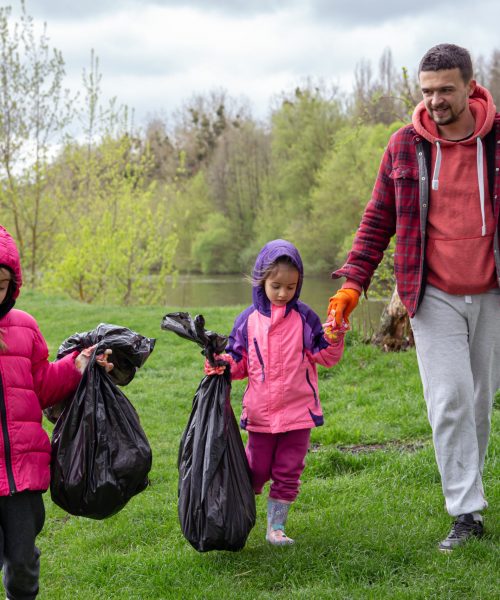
x,y
423,199
6,441
259,356
312,388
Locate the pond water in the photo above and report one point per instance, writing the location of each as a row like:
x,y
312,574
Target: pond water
x,y
188,291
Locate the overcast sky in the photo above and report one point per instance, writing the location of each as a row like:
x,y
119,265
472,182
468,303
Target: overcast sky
x,y
156,54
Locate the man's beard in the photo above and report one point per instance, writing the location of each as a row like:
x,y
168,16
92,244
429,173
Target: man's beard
x,y
453,117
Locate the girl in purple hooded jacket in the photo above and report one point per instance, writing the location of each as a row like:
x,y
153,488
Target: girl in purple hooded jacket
x,y
276,343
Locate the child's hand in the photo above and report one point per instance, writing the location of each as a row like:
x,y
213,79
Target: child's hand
x,y
332,330
102,360
82,360
218,370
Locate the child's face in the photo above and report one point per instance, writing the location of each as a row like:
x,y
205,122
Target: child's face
x,y
281,284
4,284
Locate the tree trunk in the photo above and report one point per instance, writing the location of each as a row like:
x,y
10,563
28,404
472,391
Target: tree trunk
x,y
394,333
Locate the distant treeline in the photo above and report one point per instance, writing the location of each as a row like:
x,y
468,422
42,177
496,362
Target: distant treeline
x,y
105,214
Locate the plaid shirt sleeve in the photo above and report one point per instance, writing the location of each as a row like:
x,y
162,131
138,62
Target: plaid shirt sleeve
x,y
378,225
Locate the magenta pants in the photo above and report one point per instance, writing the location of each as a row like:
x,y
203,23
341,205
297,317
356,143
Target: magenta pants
x,y
278,457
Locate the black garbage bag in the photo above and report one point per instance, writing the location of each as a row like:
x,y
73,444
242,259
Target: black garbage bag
x,y
216,502
100,454
130,351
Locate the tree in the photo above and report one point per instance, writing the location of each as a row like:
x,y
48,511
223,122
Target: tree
x,y
200,123
493,80
344,185
389,98
121,244
302,134
34,110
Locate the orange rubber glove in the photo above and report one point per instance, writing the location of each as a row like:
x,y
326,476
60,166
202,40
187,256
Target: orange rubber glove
x,y
343,303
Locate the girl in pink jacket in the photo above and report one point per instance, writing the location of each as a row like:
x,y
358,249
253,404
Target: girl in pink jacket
x,y
277,342
28,383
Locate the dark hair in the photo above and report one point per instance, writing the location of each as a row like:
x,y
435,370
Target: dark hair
x,y
259,279
447,56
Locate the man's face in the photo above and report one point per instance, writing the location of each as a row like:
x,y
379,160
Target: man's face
x,y
446,96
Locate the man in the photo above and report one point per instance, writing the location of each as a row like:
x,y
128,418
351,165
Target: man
x,y
438,190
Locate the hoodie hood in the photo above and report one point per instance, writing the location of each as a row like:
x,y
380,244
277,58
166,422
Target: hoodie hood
x,y
483,109
9,257
267,256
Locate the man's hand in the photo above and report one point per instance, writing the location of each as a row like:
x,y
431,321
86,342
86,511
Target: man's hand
x,y
343,303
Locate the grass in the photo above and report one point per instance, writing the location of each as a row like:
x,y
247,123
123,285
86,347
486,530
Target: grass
x,y
366,523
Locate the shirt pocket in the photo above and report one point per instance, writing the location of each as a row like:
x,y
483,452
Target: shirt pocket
x,y
404,172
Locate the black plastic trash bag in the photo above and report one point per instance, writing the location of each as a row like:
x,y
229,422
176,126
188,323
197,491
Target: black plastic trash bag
x,y
130,351
216,501
100,454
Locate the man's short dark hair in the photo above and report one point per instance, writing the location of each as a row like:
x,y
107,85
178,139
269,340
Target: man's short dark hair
x,y
447,56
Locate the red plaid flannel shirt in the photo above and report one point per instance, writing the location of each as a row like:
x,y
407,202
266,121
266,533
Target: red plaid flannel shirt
x,y
398,206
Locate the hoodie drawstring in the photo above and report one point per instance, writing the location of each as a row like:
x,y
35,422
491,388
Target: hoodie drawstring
x,y
437,167
480,180
480,177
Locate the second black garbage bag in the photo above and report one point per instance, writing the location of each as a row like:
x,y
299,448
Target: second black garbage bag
x,y
100,454
216,502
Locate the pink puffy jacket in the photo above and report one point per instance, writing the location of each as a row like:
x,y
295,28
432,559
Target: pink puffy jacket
x,y
28,383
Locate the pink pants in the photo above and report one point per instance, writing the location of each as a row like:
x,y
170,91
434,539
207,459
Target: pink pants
x,y
279,457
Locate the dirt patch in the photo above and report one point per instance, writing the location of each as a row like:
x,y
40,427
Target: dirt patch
x,y
397,445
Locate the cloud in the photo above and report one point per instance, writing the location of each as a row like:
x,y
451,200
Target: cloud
x,y
62,9
155,54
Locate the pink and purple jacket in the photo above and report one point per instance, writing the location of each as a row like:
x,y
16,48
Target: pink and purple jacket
x,y
28,383
277,348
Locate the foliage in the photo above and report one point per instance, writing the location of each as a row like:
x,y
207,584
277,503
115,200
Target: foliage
x,y
210,246
108,212
34,110
303,131
121,246
120,249
343,188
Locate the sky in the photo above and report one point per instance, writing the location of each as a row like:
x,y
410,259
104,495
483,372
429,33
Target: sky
x,y
155,55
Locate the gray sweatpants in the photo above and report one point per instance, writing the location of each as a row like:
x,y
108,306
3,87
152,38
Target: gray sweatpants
x,y
458,349
21,520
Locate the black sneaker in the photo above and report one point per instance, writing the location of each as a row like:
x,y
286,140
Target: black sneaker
x,y
462,529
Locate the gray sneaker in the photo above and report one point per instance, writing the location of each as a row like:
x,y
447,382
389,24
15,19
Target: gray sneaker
x,y
463,528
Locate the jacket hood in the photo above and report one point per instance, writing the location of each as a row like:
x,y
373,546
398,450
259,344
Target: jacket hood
x,y
482,107
266,257
9,257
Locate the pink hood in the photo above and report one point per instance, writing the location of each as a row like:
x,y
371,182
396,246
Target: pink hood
x,y
9,257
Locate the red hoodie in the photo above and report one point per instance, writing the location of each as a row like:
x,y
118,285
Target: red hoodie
x,y
460,226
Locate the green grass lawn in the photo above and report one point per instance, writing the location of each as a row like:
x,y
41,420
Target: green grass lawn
x,y
366,522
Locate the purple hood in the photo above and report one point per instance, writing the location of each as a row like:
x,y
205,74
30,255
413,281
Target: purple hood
x,y
269,253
